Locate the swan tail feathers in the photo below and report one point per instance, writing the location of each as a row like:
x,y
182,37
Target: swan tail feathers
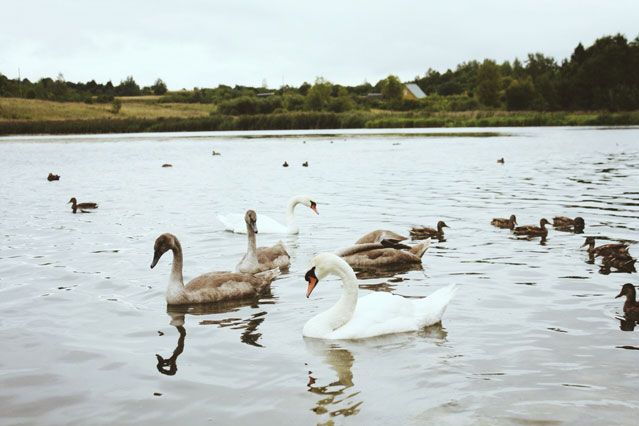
x,y
431,309
419,249
269,275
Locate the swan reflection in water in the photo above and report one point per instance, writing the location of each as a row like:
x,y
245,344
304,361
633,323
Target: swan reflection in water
x,y
249,335
340,396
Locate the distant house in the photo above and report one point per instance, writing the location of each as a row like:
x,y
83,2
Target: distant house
x,y
413,91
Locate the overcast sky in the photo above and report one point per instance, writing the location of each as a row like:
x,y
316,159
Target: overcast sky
x,y
204,43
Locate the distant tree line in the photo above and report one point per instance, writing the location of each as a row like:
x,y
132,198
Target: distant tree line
x,y
604,76
66,91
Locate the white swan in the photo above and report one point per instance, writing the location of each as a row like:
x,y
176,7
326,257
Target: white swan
x,y
234,222
375,314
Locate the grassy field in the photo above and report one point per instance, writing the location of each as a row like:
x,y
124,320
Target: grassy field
x,y
145,107
146,114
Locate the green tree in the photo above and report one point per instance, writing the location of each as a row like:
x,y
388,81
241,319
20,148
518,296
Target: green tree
x,y
520,94
392,89
318,95
159,87
488,79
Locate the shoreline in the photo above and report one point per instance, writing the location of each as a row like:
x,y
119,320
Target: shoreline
x,y
323,121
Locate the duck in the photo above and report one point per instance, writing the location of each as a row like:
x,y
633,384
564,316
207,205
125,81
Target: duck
x,y
532,230
621,262
53,177
379,235
566,224
285,164
375,314
235,222
386,254
605,249
211,287
631,306
305,164
260,259
501,160
167,165
422,232
83,207
214,153
503,223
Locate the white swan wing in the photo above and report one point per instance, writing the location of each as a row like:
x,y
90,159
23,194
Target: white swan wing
x,y
381,313
267,225
233,222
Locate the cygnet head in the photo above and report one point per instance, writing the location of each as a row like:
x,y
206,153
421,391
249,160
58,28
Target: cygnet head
x,y
251,220
163,243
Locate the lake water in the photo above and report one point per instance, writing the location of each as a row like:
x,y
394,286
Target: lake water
x,y
532,336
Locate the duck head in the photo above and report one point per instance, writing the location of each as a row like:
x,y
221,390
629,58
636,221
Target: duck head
x,y
441,225
579,223
590,241
163,243
627,290
543,222
513,219
251,220
73,201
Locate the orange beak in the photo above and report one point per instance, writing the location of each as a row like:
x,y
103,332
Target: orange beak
x,y
312,282
314,208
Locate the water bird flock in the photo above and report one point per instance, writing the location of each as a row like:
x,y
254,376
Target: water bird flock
x,y
352,317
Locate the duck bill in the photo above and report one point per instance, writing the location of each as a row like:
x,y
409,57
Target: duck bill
x,y
156,257
619,295
312,282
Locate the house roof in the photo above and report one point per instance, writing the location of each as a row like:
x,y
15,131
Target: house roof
x,y
415,90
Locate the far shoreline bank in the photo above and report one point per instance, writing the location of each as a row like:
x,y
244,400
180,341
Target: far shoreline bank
x,y
322,121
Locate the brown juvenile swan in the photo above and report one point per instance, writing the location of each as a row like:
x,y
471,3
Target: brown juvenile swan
x,y
210,287
379,235
383,254
259,259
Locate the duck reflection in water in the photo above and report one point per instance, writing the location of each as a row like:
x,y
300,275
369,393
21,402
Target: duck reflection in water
x,y
249,335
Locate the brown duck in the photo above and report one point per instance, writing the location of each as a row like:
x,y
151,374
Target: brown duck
x,y
503,223
532,230
631,306
621,262
604,250
423,232
566,224
53,177
83,207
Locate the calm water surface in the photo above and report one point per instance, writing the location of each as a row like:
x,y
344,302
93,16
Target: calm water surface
x,y
532,336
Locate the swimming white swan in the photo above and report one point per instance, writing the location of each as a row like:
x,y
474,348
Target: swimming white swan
x,y
207,288
235,222
375,314
259,259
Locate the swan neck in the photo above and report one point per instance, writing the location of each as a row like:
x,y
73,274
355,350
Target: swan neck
x,y
344,309
252,244
176,270
290,215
